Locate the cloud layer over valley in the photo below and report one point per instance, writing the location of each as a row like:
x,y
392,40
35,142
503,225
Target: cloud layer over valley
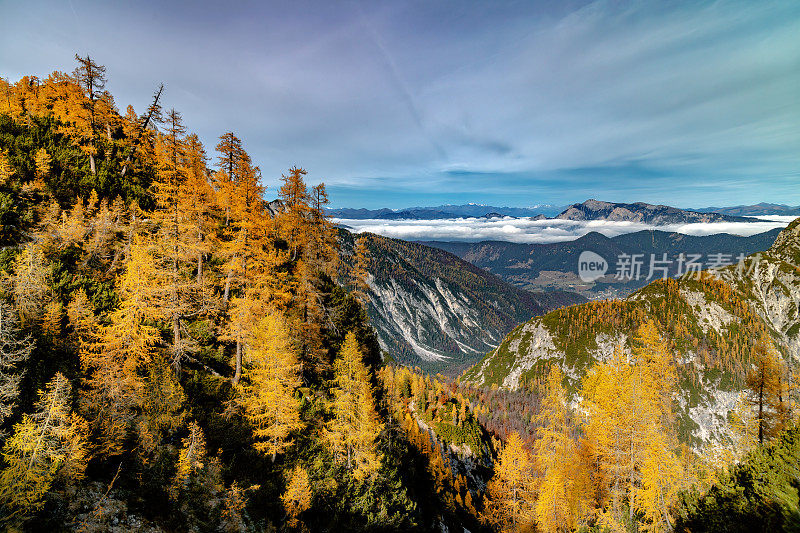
x,y
524,230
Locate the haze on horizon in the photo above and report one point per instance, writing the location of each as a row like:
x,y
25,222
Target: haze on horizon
x,y
395,104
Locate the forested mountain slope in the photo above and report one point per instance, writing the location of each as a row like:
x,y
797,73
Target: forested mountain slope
x,y
711,321
431,308
178,354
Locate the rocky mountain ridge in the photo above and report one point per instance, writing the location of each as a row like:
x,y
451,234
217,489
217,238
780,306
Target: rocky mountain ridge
x,y
641,212
760,209
444,212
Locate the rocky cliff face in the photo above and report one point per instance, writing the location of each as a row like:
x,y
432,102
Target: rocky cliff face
x,y
711,323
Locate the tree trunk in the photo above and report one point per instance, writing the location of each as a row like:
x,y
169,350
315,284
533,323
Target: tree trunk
x,y
238,373
176,341
761,410
227,291
199,255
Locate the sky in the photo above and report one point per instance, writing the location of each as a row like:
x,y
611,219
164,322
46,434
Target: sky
x,y
411,103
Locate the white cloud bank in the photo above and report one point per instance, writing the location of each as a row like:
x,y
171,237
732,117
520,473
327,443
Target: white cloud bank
x,y
523,230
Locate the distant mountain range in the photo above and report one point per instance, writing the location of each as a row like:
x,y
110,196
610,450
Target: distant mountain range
x,y
754,210
588,210
641,212
434,310
554,266
444,212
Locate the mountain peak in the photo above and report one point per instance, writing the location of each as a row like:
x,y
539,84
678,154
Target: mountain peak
x,y
641,212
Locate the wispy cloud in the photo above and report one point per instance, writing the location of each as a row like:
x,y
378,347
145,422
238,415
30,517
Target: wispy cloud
x,y
524,230
683,103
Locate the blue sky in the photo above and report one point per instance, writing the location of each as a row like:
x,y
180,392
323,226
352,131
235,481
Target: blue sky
x,y
423,103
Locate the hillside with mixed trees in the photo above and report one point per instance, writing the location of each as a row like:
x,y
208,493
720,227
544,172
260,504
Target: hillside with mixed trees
x,y
179,354
665,392
713,322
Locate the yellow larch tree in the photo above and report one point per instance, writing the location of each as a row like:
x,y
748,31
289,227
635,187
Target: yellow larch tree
x,y
196,202
297,497
231,151
510,495
353,431
360,272
115,355
296,210
80,314
6,169
251,279
563,492
630,430
73,226
42,162
31,283
660,470
46,446
324,249
100,245
51,321
172,229
92,79
661,479
160,405
267,392
139,133
311,240
191,459
767,389
744,431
